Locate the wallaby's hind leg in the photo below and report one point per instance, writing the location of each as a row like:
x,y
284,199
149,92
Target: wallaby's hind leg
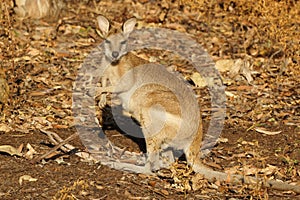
x,y
153,149
167,158
159,156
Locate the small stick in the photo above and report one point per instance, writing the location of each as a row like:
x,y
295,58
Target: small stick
x,y
53,136
55,139
71,137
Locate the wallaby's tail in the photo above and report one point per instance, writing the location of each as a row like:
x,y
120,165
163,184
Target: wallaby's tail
x,y
212,175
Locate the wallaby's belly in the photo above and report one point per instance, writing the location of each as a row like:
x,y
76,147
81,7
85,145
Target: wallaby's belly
x,y
160,114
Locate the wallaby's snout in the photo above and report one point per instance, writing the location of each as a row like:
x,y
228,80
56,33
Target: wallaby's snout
x,y
115,54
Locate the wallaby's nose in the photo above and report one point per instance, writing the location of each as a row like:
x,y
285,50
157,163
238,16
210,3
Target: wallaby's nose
x,y
115,54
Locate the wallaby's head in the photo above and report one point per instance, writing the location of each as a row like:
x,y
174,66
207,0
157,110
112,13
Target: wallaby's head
x,y
115,45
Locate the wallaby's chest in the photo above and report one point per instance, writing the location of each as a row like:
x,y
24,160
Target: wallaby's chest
x,y
116,71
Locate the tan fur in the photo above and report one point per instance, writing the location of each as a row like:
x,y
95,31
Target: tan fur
x,y
148,104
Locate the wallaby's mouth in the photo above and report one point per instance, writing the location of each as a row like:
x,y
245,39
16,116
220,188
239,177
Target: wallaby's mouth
x,y
114,62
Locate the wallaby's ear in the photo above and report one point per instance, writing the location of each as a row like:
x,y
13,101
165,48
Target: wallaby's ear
x,y
129,25
103,24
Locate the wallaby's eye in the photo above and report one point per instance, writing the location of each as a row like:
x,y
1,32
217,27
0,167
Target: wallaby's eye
x,y
107,41
123,42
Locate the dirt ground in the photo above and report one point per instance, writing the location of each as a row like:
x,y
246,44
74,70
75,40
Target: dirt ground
x,y
261,136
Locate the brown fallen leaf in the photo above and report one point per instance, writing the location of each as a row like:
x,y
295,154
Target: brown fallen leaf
x,y
264,131
270,169
244,69
29,154
152,183
26,178
250,170
225,65
165,192
235,67
198,80
4,128
10,150
198,182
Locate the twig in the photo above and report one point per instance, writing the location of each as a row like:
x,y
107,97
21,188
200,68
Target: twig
x,y
55,139
38,159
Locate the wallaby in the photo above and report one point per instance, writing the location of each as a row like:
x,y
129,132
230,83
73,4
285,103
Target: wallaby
x,y
164,106
131,79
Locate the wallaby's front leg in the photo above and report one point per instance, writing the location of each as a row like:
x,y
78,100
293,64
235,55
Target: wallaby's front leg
x,y
102,101
103,94
102,91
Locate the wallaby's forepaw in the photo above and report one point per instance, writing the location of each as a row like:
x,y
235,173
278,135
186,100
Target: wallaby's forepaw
x,y
102,101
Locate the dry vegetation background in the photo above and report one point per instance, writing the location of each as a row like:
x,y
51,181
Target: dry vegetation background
x,y
39,60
